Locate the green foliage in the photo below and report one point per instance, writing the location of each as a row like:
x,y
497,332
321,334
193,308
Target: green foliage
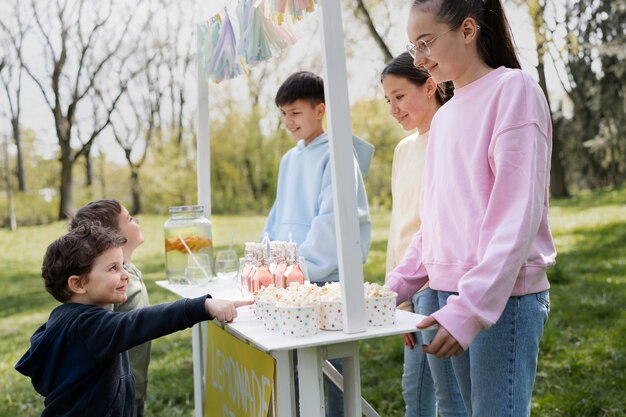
x,y
31,208
594,138
371,122
245,163
582,363
168,177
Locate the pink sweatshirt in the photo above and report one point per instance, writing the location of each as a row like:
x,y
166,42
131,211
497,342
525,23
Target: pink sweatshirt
x,y
484,203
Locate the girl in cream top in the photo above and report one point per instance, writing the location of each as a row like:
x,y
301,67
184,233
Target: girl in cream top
x,y
406,184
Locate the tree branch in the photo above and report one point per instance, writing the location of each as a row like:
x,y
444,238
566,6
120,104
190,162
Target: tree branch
x,y
372,29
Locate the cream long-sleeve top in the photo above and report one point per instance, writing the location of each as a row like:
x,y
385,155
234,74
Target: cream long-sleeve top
x,y
484,204
406,184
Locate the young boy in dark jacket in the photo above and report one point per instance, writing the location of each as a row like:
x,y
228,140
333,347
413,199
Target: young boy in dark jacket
x,y
78,359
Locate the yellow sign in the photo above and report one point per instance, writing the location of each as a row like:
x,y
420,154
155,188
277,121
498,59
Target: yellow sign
x,y
239,378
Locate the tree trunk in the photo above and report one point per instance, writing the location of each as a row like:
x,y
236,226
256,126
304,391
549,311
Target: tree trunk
x,y
17,138
558,186
372,29
9,189
135,190
88,167
66,205
102,175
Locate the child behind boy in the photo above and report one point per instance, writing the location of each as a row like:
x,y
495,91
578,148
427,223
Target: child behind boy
x,y
303,209
77,359
110,213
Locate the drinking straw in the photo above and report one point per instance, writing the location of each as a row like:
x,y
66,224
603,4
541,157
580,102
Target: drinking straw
x,y
232,240
206,275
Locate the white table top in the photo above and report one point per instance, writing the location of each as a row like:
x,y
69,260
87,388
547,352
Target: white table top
x,y
226,289
249,328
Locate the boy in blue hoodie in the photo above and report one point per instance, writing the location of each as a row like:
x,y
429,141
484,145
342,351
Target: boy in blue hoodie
x,y
303,208
77,359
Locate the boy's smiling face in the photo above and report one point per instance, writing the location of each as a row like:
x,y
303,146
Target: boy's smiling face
x,y
105,284
303,119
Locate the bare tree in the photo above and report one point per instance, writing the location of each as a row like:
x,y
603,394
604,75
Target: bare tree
x,y
543,36
85,48
11,80
11,220
177,58
134,129
363,11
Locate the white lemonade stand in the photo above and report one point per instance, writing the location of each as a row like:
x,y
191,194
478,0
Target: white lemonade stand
x,y
312,351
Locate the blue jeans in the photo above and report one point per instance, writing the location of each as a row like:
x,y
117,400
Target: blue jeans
x,y
427,381
496,373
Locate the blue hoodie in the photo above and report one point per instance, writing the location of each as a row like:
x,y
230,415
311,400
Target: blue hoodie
x,y
304,205
78,361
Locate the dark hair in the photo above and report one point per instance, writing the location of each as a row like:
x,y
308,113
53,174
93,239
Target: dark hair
x,y
495,42
105,211
301,85
403,66
74,254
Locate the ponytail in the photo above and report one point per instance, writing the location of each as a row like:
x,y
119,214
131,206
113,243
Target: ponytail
x,y
495,41
402,66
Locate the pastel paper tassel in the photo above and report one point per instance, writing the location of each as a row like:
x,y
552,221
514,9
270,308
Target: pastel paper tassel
x,y
224,64
208,34
261,38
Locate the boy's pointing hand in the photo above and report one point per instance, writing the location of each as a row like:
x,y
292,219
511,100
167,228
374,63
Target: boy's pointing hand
x,y
224,310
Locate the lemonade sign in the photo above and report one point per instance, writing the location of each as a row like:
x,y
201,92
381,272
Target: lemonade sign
x,y
239,378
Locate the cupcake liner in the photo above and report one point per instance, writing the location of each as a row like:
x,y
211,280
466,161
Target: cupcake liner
x,y
380,311
269,312
298,321
330,316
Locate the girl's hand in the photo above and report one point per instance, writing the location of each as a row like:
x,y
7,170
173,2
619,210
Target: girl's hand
x,y
409,340
224,310
443,345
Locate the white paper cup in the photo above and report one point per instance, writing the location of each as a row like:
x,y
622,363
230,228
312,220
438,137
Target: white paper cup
x,y
298,321
380,311
269,314
256,308
330,317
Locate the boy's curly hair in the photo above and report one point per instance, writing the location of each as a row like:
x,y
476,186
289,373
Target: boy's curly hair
x,y
105,211
74,254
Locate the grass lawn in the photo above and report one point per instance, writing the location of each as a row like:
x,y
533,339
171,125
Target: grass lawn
x,y
582,364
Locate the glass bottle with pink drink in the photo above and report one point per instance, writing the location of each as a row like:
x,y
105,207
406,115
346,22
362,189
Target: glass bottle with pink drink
x,y
281,265
294,271
262,277
248,267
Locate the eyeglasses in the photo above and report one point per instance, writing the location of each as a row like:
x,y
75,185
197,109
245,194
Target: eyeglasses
x,y
422,48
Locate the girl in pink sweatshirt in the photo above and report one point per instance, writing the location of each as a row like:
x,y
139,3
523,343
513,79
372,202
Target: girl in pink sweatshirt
x,y
485,242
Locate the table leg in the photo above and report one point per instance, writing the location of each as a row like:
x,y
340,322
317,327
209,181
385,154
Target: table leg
x,y
349,354
284,394
198,345
352,382
310,382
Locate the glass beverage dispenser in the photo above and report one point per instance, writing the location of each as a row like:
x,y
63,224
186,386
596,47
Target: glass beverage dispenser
x,y
188,242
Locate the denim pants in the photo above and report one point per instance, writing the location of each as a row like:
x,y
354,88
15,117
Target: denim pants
x,y
428,382
496,373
